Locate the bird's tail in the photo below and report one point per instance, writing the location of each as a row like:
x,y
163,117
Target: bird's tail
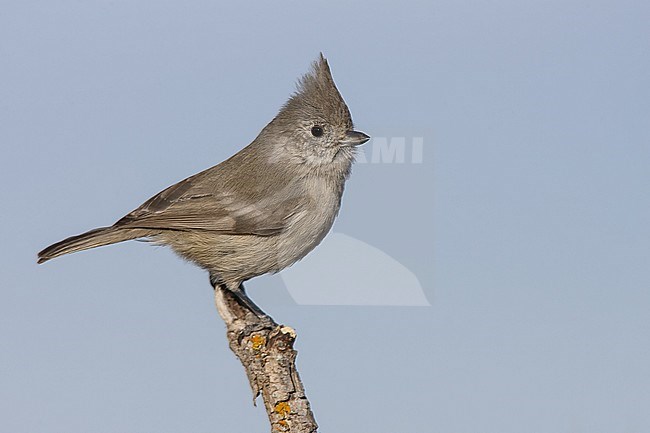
x,y
91,239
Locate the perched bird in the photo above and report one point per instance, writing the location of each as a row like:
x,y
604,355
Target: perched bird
x,y
262,209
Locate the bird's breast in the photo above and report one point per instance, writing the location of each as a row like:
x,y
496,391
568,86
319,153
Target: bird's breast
x,y
308,226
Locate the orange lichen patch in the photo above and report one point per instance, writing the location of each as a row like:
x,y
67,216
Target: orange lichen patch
x,y
283,408
281,426
258,342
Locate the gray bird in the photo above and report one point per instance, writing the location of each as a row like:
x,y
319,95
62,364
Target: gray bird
x,y
262,209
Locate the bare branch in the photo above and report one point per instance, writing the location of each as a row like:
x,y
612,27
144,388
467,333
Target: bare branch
x,y
266,351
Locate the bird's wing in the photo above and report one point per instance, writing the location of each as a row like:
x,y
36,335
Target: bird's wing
x,y
185,206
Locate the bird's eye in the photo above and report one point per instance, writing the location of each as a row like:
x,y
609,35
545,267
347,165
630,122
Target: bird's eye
x,y
317,131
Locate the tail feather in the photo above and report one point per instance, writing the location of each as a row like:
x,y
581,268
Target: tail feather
x,y
91,239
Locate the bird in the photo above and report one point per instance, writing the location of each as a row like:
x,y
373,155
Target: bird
x,y
262,209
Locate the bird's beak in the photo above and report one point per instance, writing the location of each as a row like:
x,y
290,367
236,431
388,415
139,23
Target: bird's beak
x,y
354,138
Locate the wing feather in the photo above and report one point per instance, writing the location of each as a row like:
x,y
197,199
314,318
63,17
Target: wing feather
x,y
186,206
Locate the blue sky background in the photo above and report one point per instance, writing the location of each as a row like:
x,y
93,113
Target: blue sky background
x,y
526,223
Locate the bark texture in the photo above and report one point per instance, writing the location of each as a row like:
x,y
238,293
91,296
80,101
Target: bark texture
x,y
266,351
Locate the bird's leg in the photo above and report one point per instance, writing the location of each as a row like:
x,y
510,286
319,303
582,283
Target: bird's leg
x,y
245,301
240,295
